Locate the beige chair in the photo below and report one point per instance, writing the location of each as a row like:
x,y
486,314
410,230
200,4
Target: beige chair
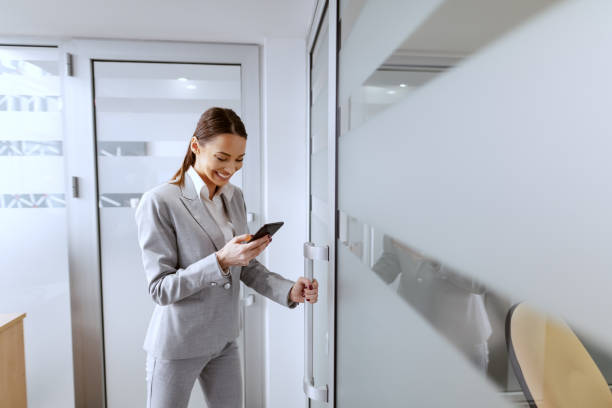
x,y
551,364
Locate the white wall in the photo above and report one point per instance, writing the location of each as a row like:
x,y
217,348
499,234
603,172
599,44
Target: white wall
x,y
284,93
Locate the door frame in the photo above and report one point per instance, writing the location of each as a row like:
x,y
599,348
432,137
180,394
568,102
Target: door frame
x,y
331,8
83,215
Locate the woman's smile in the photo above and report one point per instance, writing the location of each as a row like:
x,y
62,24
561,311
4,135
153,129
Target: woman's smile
x,y
225,176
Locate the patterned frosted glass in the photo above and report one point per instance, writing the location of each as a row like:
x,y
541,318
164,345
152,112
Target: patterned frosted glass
x,y
34,263
146,114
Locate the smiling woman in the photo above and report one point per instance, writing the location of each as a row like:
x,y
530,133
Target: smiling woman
x,y
190,231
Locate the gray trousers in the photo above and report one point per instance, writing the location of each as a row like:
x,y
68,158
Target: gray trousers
x,y
170,382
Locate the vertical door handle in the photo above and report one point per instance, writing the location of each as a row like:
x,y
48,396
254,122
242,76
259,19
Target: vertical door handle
x,y
311,253
249,300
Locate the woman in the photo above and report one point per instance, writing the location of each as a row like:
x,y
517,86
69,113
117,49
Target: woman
x,y
192,231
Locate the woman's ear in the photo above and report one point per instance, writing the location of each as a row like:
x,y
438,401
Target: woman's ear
x,y
195,148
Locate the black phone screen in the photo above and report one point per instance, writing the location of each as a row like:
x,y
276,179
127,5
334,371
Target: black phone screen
x,y
267,229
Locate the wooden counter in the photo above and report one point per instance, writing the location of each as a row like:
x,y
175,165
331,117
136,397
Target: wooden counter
x,y
12,361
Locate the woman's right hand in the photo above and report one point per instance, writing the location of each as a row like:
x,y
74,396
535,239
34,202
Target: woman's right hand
x,y
235,253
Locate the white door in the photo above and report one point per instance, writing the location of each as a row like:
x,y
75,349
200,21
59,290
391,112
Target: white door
x,y
320,249
145,102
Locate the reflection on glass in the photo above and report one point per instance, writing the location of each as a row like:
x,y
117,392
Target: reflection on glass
x,y
465,312
435,36
450,302
386,86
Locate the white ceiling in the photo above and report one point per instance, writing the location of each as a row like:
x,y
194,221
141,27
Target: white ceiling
x,y
241,21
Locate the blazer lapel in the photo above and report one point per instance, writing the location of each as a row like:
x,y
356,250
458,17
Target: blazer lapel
x,y
200,213
235,215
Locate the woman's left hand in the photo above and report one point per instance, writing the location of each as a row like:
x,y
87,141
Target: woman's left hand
x,y
304,289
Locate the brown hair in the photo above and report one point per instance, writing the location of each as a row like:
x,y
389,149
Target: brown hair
x,y
215,121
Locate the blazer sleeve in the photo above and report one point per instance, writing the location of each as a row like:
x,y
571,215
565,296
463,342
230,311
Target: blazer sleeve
x,y
157,238
268,284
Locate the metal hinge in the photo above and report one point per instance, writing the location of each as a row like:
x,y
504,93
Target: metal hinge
x,y
338,121
69,65
75,187
339,34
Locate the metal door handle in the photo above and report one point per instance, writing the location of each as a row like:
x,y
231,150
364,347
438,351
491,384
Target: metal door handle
x,y
249,300
311,252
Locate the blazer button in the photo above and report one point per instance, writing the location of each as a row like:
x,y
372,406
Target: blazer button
x,y
227,285
213,283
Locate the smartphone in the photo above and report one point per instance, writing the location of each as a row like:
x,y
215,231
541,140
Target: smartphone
x,y
267,229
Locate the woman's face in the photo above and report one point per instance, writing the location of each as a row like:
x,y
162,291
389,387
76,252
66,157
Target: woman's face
x,y
219,158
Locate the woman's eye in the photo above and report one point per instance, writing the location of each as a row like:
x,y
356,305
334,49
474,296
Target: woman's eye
x,y
239,160
221,158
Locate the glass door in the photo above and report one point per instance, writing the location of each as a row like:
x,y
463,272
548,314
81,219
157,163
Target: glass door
x,y
132,109
319,251
145,115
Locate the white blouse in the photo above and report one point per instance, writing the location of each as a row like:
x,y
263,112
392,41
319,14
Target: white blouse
x,y
215,206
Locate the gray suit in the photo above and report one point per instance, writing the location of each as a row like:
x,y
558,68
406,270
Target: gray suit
x,y
197,311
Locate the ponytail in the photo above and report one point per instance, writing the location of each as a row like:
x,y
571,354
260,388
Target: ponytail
x,y
188,161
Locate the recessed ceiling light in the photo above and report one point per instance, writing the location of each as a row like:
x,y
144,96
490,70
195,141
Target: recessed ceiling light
x,y
191,87
390,92
402,85
182,79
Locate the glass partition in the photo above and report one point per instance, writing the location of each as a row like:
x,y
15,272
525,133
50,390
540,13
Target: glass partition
x,y
470,178
319,228
34,261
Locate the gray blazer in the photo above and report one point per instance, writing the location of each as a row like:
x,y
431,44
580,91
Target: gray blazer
x,y
197,308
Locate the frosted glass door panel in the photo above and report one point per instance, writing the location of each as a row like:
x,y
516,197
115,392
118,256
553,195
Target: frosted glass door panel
x,y
146,114
33,243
